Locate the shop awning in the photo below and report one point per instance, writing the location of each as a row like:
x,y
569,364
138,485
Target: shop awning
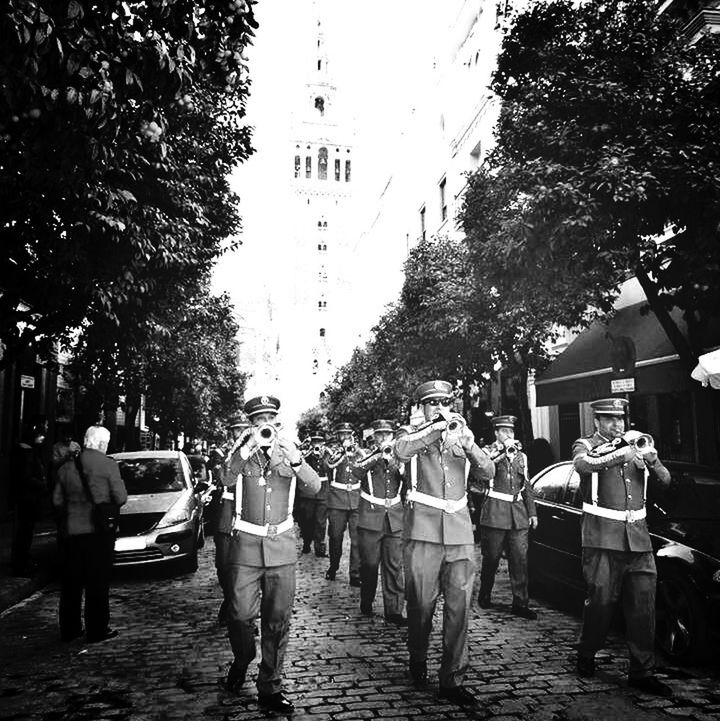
x,y
632,346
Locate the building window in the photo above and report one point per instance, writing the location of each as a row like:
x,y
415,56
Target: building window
x,y
319,64
322,163
297,166
443,200
337,168
322,332
347,171
322,246
320,105
308,166
422,223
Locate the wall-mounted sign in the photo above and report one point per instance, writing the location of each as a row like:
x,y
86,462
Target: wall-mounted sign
x,y
622,385
27,381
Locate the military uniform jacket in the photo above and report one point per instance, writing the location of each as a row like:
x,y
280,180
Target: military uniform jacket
x,y
226,512
440,473
266,488
620,487
511,479
320,466
348,498
381,479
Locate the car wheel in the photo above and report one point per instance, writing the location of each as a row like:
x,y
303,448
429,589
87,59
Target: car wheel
x,y
681,627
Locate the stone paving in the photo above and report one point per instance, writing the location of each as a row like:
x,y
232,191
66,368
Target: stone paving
x,y
171,656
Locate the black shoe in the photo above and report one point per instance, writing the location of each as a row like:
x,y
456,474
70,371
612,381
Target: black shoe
x,y
321,552
330,574
396,618
524,612
485,602
235,678
355,582
366,610
585,667
651,685
457,694
276,702
67,636
418,674
306,548
109,633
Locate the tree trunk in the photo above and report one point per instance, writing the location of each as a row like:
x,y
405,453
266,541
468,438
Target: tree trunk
x,y
687,357
526,429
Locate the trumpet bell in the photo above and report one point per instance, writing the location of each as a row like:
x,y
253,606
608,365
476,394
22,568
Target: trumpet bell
x,y
266,434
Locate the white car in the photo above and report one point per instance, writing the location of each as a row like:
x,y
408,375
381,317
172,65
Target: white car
x,y
162,519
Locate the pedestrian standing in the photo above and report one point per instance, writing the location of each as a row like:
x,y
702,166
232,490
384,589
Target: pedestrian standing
x,y
262,554
507,514
617,471
439,549
28,490
86,551
380,525
343,504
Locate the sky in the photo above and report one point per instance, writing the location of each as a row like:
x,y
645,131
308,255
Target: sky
x,y
380,53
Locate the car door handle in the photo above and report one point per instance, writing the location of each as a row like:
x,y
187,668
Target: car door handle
x,y
555,517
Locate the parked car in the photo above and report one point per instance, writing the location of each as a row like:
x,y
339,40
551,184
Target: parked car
x,y
162,519
684,524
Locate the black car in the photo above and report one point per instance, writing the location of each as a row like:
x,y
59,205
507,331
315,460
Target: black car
x,y
684,524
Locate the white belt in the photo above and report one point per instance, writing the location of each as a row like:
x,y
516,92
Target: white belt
x,y
509,497
228,496
387,502
629,516
269,529
444,504
323,479
345,486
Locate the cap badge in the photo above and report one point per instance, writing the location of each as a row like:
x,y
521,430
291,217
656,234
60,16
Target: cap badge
x,y
617,403
265,400
438,385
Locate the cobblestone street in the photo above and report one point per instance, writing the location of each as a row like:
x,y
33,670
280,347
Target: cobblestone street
x,y
171,656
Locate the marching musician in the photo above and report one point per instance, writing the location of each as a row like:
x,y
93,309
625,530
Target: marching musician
x,y
343,502
506,515
264,469
438,534
380,525
311,508
615,469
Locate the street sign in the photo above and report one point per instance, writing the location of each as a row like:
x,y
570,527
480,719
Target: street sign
x,y
622,385
27,381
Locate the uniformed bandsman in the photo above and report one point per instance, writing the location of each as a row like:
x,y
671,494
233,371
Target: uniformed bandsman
x,y
507,513
439,549
261,571
311,509
343,503
615,469
380,525
224,511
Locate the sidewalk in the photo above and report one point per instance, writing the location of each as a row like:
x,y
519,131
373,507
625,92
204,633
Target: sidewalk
x,y
14,589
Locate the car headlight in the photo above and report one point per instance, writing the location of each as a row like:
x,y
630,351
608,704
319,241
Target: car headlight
x,y
179,512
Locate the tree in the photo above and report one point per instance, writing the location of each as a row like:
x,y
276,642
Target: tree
x,y
119,122
607,136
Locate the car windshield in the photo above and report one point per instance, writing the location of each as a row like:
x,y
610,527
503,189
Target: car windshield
x,y
151,475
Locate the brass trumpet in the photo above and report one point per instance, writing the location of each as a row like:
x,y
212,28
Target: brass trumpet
x,y
641,441
512,447
350,448
266,434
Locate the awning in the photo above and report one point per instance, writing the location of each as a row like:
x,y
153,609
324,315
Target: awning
x,y
632,345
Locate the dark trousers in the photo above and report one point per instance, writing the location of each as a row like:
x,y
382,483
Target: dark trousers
x,y
338,521
222,544
432,569
383,550
86,563
320,530
608,576
269,591
26,513
515,543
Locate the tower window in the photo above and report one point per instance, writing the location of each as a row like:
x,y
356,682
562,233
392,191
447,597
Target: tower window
x,y
347,171
297,166
320,104
322,332
422,222
322,304
322,163
322,246
308,166
337,168
319,64
443,199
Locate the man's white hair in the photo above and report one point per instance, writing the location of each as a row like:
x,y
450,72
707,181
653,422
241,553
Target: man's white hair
x,y
97,438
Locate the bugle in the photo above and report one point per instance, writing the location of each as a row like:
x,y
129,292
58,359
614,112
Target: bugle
x,y
642,442
512,447
265,434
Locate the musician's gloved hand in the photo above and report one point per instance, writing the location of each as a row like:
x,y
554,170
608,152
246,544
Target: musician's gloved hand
x,y
649,455
533,521
290,450
467,438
